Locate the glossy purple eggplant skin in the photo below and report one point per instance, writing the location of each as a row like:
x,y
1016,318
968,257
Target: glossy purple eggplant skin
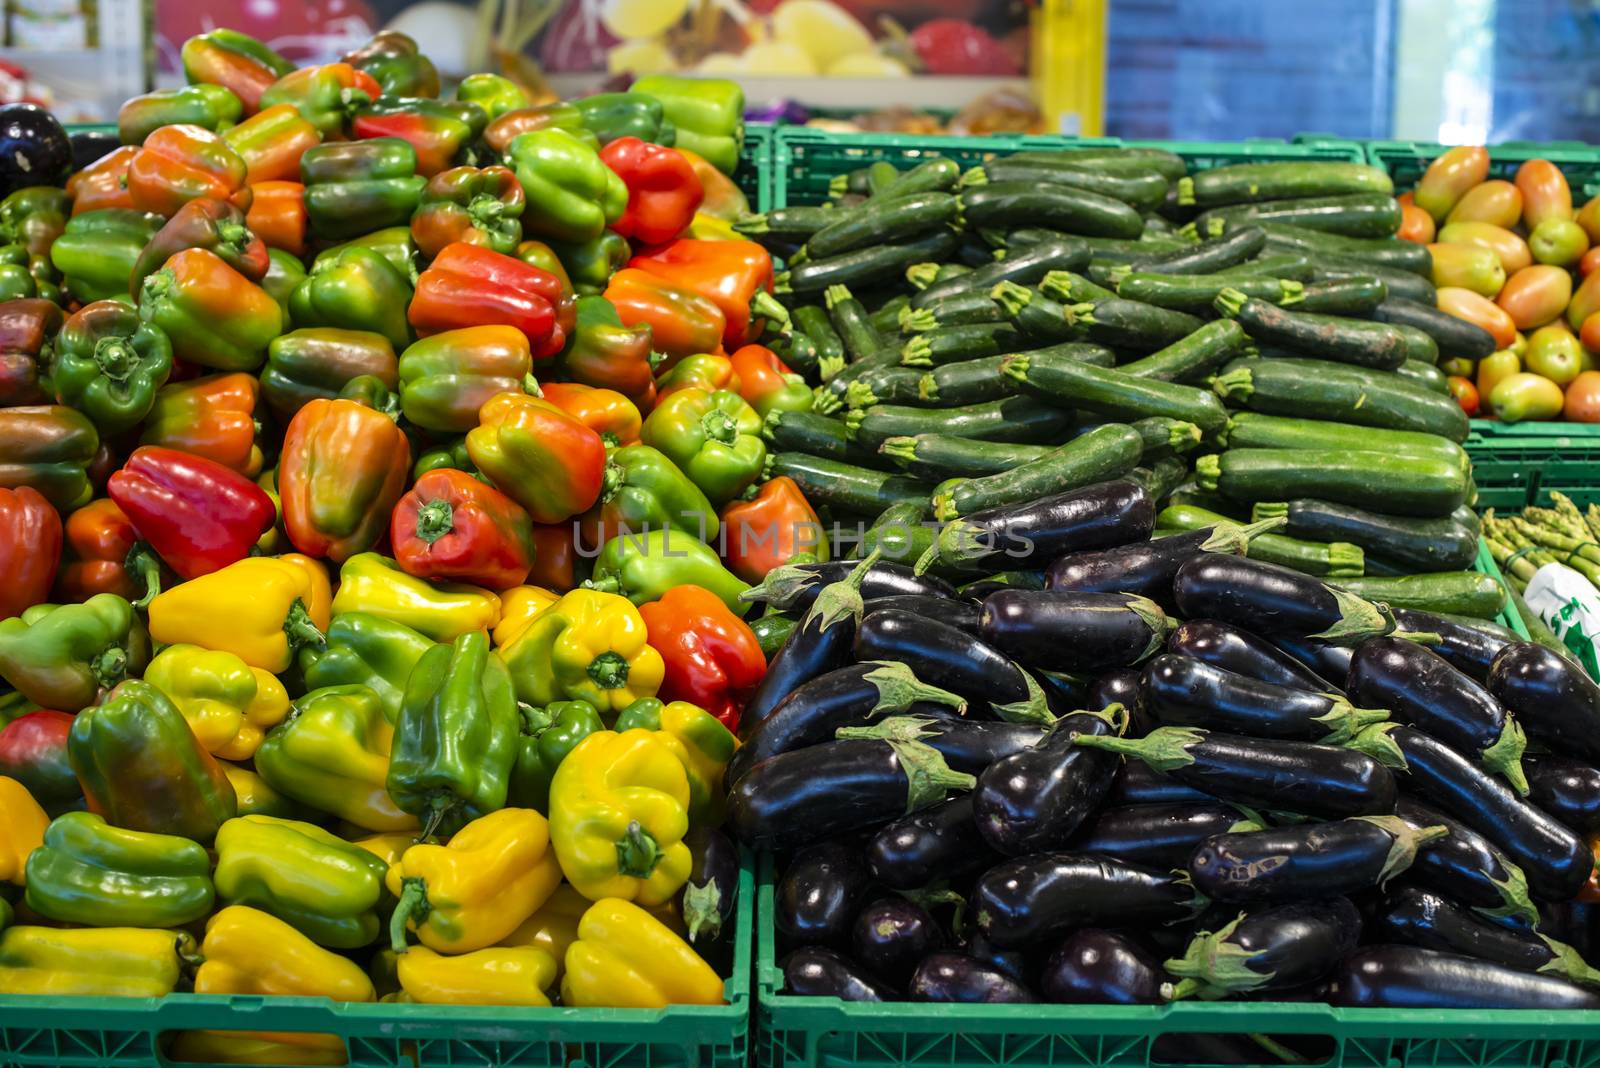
x,y
972,745
956,977
1266,598
1145,568
1551,697
813,971
941,656
1463,864
1423,918
1227,647
1470,646
1157,836
1032,534
883,579
1137,783
1120,686
1567,789
1301,861
939,842
891,936
1028,900
1097,967
1179,691
817,897
1298,943
818,646
1012,962
1322,658
1072,632
1033,801
955,612
1408,977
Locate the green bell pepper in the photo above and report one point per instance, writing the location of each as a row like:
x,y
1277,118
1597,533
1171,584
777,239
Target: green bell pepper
x,y
614,115
393,243
642,567
715,437
396,64
494,93
643,490
305,365
109,363
96,252
446,378
603,353
456,738
452,455
591,263
49,447
572,195
316,882
64,656
367,650
33,217
708,114
355,187
17,282
91,873
284,273
548,735
360,290
214,107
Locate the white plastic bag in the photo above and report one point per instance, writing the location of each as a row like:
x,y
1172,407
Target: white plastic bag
x,y
1570,606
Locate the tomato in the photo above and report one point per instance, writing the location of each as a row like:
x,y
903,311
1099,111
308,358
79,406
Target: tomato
x,y
1496,202
1416,225
1554,353
1588,217
1582,403
1460,366
1525,397
1465,393
1536,295
1558,241
1585,301
1493,368
1589,332
1449,177
1545,194
1480,311
1467,267
1510,249
1589,261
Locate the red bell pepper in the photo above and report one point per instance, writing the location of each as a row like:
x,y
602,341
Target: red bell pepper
x,y
681,321
605,411
663,190
555,557
713,658
770,529
452,526
197,515
724,199
33,751
30,549
767,384
737,275
102,559
468,285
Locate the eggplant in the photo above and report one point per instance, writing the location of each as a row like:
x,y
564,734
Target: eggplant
x,y
1276,948
958,612
1033,801
966,745
1182,692
1552,697
1555,860
89,146
814,972
1012,962
1137,783
1420,688
1033,533
1466,866
1469,644
1273,600
1029,900
1307,860
1567,789
939,842
34,148
793,587
1121,687
891,936
1159,836
1242,653
816,900
1323,658
1324,781
1408,977
1073,632
844,697
1096,967
1147,568
1432,921
954,660
708,898
822,791
956,977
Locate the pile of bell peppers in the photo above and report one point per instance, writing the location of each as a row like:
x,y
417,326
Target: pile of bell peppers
x,y
382,463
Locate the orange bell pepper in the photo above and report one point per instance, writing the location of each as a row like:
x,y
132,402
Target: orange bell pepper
x,y
736,275
212,417
681,321
770,530
99,539
343,469
469,285
278,215
605,411
555,557
178,163
271,143
724,199
544,459
103,183
767,384
235,61
712,657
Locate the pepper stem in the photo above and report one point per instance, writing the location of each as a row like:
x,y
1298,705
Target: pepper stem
x,y
298,626
718,425
141,564
766,306
609,670
638,853
413,904
110,666
434,520
233,234
117,358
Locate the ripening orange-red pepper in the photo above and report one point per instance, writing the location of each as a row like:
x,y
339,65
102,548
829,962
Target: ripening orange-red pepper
x,y
278,215
103,183
178,163
343,468
555,557
99,540
212,417
767,384
271,143
735,275
770,530
452,527
30,549
682,321
712,657
605,411
469,285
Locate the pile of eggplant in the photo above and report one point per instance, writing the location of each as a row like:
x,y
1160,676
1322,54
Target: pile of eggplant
x,y
1169,771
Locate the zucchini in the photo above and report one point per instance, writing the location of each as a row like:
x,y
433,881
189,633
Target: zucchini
x,y
1358,295
1025,267
1251,183
819,435
940,456
1169,165
1321,389
1198,292
902,532
1128,324
772,631
1352,215
1295,266
884,385
1426,375
971,382
1402,284
939,174
1194,356
961,309
882,220
844,487
1404,485
1159,435
1455,337
1392,253
1033,313
1253,430
1330,337
880,175
1102,454
923,275
1070,288
1112,393
838,387
1208,256
885,318
852,183
794,223
1460,593
1141,191
1414,544
812,322
850,320
960,343
973,251
1013,419
1113,250
864,265
1074,211
1324,559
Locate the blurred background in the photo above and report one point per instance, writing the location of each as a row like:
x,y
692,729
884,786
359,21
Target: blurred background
x,y
1459,71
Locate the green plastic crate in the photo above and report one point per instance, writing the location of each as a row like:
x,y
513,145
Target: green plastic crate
x,y
806,158
1406,160
1510,618
754,174
1519,464
128,1032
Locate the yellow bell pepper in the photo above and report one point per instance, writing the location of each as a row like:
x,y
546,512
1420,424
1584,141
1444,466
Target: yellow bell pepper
x,y
248,951
443,611
553,926
258,609
588,646
257,1047
699,740
625,958
619,808
518,607
320,604
500,975
257,796
22,824
474,891
229,704
133,962
387,847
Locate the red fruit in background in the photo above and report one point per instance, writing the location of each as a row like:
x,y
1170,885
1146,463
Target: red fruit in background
x,y
951,46
576,40
33,750
1465,393
302,32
